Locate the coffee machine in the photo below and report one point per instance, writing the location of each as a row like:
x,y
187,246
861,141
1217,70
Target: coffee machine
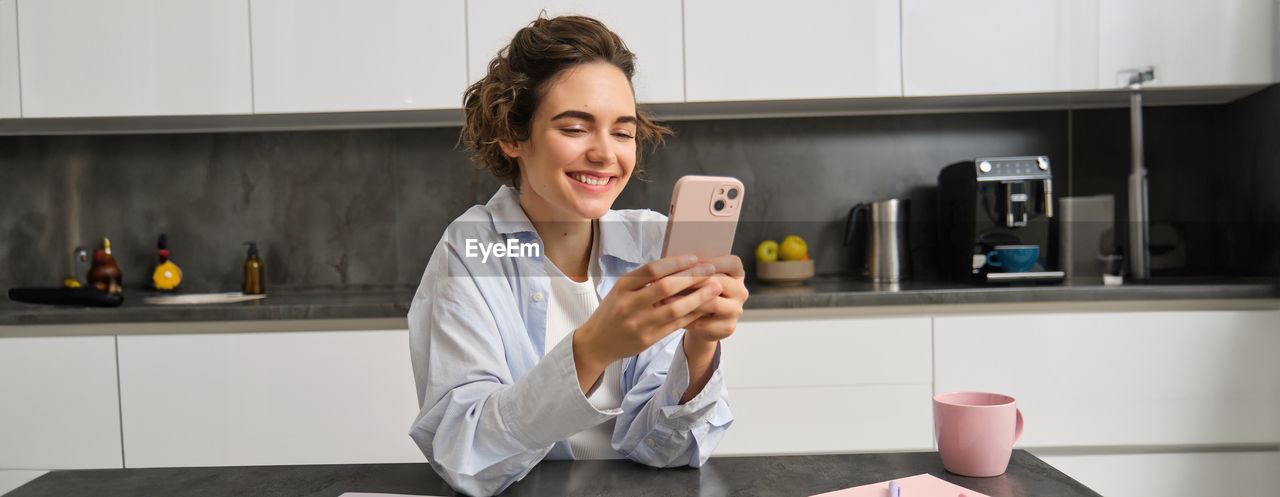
x,y
992,202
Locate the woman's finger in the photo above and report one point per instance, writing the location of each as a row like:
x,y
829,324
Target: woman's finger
x,y
656,270
679,307
730,265
730,287
711,327
717,306
661,292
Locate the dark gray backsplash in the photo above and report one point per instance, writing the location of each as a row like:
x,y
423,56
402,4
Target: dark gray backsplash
x,y
803,175
1251,188
338,208
1213,177
364,208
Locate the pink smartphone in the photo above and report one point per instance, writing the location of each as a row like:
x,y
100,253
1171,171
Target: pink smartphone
x,y
703,216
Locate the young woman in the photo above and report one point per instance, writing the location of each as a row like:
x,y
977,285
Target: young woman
x,y
546,326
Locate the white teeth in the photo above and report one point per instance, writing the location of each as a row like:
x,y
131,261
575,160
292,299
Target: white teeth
x,y
590,180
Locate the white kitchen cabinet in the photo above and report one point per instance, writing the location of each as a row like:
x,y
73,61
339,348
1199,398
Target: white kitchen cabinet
x,y
59,406
828,419
10,93
134,57
998,46
1124,378
1181,474
334,55
1189,42
828,385
761,50
267,398
652,30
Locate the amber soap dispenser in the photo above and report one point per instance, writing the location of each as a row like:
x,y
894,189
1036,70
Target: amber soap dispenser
x,y
253,280
104,274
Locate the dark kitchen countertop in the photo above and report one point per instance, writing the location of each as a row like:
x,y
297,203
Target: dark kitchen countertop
x,y
738,476
364,303
844,292
331,303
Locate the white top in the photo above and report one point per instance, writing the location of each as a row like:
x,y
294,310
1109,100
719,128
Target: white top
x,y
569,305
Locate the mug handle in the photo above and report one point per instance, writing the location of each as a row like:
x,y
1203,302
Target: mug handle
x,y
991,259
1017,429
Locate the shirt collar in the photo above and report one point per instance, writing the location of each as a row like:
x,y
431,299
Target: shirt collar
x,y
508,217
619,240
616,240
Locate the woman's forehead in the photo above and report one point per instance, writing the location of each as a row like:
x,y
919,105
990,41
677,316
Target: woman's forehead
x,y
598,89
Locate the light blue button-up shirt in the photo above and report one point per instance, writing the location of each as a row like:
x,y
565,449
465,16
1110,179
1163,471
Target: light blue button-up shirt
x,y
494,402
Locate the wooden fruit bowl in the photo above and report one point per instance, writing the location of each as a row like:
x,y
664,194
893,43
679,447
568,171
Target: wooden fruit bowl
x,y
784,272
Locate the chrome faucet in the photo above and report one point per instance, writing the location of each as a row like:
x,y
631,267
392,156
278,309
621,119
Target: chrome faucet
x,y
1139,231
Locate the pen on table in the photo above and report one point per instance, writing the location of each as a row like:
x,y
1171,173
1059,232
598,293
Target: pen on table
x,y
894,489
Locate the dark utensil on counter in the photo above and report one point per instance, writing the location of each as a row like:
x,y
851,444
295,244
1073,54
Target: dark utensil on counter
x,y
66,296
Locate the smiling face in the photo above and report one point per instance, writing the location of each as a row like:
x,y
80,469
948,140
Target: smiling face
x,y
581,148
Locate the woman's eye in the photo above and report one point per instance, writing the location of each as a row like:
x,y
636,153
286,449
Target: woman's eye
x,y
624,135
573,131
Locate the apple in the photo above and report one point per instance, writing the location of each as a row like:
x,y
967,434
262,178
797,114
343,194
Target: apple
x,y
793,248
767,251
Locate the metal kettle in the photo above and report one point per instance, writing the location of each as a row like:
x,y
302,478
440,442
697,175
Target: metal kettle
x,y
878,233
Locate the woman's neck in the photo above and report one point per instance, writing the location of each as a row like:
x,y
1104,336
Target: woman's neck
x,y
565,242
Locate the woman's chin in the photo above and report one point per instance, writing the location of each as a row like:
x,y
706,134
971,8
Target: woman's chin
x,y
594,209
593,213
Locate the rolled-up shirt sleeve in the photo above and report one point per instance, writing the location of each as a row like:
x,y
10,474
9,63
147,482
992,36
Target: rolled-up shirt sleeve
x,y
479,428
654,428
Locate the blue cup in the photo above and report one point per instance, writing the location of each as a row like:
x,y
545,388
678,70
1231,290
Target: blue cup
x,y
1014,258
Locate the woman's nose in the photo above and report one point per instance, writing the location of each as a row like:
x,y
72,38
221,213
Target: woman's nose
x,y
602,150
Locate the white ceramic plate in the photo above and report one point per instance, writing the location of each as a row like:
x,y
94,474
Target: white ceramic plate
x,y
201,298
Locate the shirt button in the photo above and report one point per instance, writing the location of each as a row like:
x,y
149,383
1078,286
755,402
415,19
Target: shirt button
x,y
537,296
649,442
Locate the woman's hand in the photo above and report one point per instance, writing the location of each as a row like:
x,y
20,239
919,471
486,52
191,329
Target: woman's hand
x,y
719,318
643,308
720,315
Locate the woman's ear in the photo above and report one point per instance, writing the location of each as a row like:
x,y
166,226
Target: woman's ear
x,y
510,147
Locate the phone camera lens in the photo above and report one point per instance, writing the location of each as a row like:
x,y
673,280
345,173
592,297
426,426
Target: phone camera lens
x,y
733,193
719,205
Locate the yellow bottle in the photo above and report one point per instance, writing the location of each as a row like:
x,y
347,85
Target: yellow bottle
x,y
167,275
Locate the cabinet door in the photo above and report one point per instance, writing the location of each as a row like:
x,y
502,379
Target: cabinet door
x,y
1185,474
267,398
998,46
650,29
134,57
1125,378
10,96
1189,42
761,50
334,55
60,408
828,385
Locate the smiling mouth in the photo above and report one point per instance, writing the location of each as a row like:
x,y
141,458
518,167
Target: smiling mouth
x,y
589,179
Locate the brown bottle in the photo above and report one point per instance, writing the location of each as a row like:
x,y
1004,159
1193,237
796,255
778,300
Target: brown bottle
x,y
253,280
104,274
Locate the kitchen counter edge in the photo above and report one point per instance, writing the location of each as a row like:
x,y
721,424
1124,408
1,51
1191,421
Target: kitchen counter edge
x,y
371,310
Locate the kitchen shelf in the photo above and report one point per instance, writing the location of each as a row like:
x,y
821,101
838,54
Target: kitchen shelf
x,y
1115,98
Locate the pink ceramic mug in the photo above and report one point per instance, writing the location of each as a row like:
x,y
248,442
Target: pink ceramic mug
x,y
976,431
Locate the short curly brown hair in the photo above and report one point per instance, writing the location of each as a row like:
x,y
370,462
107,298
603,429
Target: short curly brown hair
x,y
500,106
